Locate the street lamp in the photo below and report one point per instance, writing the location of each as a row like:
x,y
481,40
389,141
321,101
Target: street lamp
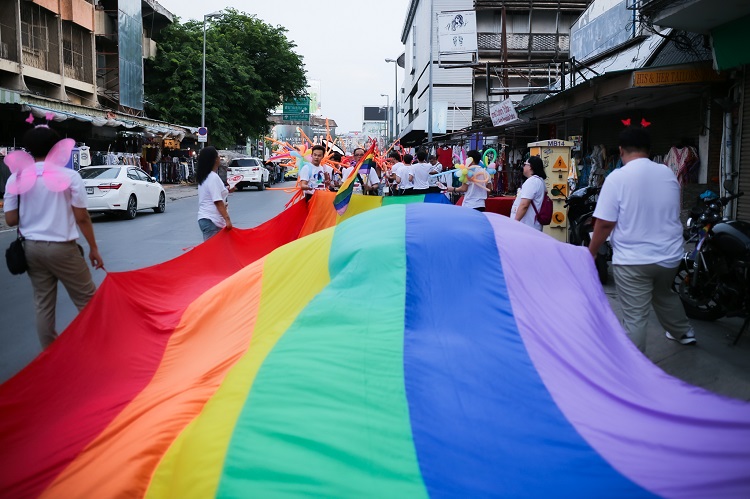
x,y
395,98
387,108
203,92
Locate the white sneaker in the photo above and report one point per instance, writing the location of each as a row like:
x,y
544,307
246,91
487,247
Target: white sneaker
x,y
686,339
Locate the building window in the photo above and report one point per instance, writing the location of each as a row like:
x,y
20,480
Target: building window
x,y
76,52
37,50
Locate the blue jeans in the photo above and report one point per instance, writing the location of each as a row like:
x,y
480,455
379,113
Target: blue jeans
x,y
208,228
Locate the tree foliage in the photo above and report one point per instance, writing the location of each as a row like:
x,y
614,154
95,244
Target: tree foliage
x,y
251,67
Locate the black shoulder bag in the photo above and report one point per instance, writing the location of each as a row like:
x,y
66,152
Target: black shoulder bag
x,y
14,255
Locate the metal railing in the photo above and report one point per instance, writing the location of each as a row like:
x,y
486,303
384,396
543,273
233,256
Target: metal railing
x,y
541,43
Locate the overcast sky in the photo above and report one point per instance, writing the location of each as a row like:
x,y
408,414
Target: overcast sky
x,y
344,44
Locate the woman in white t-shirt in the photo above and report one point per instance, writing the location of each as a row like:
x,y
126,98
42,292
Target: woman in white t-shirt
x,y
212,195
531,194
476,193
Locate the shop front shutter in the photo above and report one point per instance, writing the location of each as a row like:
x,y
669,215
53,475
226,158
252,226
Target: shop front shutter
x,y
743,203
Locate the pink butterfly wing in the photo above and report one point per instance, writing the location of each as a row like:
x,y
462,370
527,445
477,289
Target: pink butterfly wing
x,y
55,177
59,155
21,164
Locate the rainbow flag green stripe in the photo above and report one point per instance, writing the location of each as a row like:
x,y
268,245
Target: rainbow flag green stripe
x,y
322,355
200,450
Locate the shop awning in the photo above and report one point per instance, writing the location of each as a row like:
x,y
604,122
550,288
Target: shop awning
x,y
62,111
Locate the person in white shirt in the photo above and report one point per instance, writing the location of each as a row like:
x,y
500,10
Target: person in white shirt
x,y
370,178
312,175
212,195
420,174
475,193
393,178
639,205
49,222
405,185
531,194
436,168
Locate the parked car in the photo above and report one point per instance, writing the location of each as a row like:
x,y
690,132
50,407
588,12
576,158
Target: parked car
x,y
252,170
122,189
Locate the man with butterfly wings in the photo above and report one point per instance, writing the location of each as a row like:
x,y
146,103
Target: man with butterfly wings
x,y
48,204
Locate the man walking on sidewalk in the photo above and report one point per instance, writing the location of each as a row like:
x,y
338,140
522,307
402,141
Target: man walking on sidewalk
x,y
639,205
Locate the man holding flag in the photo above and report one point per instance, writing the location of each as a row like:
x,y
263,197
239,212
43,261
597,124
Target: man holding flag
x,y
341,202
367,174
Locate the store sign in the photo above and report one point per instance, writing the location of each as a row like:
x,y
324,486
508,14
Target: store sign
x,y
503,113
457,32
656,78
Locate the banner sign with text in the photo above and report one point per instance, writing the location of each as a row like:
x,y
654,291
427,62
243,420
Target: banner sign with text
x,y
503,113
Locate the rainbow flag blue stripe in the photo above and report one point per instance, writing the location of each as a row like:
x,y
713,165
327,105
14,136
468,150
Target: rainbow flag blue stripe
x,y
410,351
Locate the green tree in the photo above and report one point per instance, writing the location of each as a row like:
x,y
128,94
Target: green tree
x,y
251,67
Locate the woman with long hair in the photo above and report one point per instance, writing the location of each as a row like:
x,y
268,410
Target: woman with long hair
x,y
529,199
212,194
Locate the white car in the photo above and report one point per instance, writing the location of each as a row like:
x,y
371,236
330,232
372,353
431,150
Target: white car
x,y
252,170
122,188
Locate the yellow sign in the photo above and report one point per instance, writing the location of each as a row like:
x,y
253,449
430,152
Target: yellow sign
x,y
559,190
171,144
558,218
560,164
656,78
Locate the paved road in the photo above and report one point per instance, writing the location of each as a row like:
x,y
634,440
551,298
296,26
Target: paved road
x,y
124,245
153,238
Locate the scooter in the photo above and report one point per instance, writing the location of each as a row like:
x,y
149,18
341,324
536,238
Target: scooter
x,y
713,279
581,204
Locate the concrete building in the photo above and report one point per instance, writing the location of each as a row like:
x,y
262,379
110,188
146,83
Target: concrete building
x,y
82,61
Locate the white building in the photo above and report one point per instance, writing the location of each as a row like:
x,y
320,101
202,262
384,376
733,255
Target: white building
x,y
522,47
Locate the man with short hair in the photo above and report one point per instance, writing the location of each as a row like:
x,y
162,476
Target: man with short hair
x,y
639,205
420,174
49,221
436,168
405,176
312,175
393,178
369,177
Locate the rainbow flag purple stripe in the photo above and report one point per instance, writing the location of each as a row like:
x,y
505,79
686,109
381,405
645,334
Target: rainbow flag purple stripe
x,y
454,354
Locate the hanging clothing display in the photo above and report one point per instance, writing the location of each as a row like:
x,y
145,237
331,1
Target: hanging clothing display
x,y
685,164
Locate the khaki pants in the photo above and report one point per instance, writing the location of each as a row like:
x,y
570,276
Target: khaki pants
x,y
50,262
639,287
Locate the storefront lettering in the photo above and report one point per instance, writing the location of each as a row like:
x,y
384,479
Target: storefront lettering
x,y
673,77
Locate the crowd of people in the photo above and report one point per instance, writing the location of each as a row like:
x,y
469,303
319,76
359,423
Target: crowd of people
x,y
638,208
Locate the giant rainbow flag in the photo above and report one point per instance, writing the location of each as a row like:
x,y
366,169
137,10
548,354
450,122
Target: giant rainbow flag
x,y
413,350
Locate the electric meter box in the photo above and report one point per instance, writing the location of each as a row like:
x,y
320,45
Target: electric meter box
x,y
555,156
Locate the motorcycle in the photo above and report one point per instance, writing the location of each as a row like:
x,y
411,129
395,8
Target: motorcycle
x,y
713,279
581,204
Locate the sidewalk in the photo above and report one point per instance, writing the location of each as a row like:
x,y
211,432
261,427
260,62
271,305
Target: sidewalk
x,y
713,363
179,191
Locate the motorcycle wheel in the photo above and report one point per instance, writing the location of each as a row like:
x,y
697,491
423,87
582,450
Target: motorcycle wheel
x,y
701,305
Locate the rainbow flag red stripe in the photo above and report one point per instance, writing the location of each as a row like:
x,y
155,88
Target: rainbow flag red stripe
x,y
264,373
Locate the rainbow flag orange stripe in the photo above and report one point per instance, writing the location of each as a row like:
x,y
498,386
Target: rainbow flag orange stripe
x,y
415,363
